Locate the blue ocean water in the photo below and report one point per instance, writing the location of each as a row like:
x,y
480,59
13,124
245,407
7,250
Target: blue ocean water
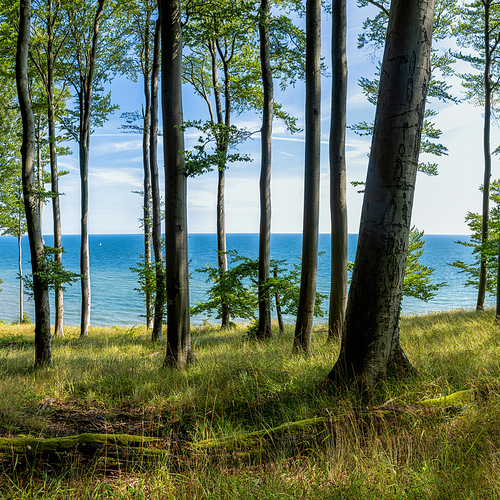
x,y
116,302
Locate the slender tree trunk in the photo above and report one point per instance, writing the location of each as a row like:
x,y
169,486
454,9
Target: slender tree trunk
x,y
481,293
39,167
305,316
56,210
155,184
281,325
264,330
43,348
147,173
84,144
20,267
221,241
338,202
370,336
178,352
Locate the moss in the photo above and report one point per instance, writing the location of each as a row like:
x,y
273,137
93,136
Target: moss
x,y
456,399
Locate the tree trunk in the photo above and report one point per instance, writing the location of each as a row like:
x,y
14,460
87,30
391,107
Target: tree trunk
x,y
156,335
264,329
39,168
281,325
221,241
56,211
147,174
338,202
481,292
20,267
84,143
178,352
43,348
370,337
305,316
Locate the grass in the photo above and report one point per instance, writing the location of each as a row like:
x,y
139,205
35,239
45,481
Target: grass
x,y
387,448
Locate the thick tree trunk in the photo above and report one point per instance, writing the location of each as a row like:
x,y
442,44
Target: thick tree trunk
x,y
338,202
176,236
43,348
84,144
147,173
305,316
370,337
155,184
264,329
481,292
56,211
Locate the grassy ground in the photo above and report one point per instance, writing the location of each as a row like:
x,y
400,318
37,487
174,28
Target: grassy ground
x,y
386,448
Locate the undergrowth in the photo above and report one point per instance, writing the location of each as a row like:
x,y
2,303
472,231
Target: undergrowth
x,y
385,448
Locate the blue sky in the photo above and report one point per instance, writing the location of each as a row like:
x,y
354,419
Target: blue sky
x,y
115,171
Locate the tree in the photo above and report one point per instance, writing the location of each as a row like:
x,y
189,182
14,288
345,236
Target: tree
x,y
370,337
155,189
264,328
178,352
303,326
483,251
43,348
338,201
223,64
479,29
87,75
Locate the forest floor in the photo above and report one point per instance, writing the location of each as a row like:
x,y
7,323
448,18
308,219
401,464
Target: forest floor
x,y
249,420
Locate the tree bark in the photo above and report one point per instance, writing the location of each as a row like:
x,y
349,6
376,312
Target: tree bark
x,y
370,337
147,174
155,185
43,348
56,211
338,202
264,328
84,148
20,267
481,292
305,316
178,353
281,325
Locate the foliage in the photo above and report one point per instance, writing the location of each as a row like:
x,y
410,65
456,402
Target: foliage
x,y
238,288
373,36
146,278
488,249
201,160
417,281
52,273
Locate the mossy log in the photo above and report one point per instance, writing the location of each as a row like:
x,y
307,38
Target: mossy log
x,y
120,446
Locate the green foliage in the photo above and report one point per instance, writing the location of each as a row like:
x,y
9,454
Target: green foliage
x,y
211,152
417,281
51,273
146,278
239,284
488,250
26,319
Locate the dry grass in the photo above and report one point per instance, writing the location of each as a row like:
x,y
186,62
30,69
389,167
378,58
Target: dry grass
x,y
239,386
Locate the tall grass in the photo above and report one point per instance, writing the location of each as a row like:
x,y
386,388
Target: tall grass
x,y
387,447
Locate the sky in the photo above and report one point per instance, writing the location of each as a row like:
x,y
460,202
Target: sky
x,y
115,171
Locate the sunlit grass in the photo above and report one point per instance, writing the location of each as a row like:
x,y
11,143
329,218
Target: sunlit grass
x,y
239,385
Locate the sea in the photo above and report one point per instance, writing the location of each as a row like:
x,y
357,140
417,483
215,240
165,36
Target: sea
x,y
116,301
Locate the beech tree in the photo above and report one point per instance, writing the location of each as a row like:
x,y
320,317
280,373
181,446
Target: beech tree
x,y
338,201
87,74
305,316
178,353
370,337
264,326
43,348
223,67
479,29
